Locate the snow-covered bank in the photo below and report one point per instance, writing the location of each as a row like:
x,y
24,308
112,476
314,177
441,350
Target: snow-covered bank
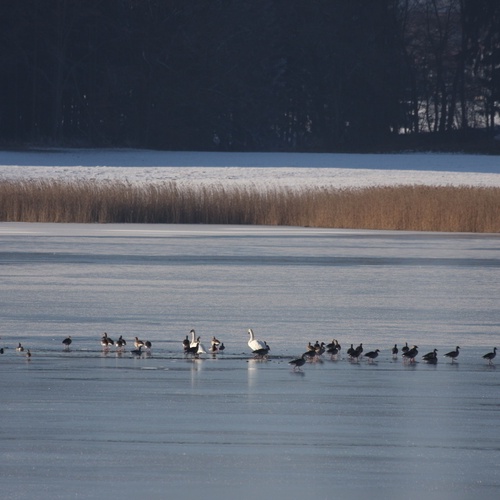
x,y
255,169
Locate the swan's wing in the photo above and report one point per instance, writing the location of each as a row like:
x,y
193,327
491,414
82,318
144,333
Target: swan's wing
x,y
255,344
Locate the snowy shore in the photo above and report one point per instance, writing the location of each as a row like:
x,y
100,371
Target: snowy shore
x,y
290,170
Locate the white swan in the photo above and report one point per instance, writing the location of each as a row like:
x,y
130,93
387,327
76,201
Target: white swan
x,y
255,344
201,348
195,342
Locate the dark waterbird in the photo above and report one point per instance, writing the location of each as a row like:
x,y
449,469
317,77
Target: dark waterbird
x,y
372,354
411,354
453,354
356,353
350,350
121,342
137,352
333,351
430,357
106,341
297,363
490,356
67,342
192,349
263,352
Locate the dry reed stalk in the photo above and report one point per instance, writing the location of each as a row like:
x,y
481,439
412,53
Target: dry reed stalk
x,y
413,207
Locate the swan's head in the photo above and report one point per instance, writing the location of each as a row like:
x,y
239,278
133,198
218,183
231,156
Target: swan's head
x,y
250,331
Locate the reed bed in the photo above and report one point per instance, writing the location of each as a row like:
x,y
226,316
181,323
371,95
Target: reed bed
x,y
415,207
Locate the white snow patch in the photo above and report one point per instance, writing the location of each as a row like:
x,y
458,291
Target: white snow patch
x,y
260,170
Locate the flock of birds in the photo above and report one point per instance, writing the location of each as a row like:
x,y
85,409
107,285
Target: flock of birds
x,y
260,349
314,351
195,347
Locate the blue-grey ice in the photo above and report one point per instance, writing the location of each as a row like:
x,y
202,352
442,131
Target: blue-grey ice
x,y
86,421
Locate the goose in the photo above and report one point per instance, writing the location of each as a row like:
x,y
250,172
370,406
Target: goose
x,y
372,354
405,348
333,343
297,363
106,341
214,344
255,344
20,348
355,354
453,354
148,344
490,356
411,353
28,354
137,352
1,350
350,350
430,357
262,352
67,341
332,350
138,343
191,350
309,355
395,351
185,342
222,347
310,347
319,348
121,342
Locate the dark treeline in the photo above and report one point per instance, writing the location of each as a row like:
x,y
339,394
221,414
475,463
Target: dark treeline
x,y
321,75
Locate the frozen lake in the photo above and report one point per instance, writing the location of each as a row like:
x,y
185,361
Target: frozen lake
x,y
86,423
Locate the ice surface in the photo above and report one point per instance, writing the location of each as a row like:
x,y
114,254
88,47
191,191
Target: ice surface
x,y
88,423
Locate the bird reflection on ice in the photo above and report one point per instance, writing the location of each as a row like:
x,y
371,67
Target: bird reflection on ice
x,y
253,371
